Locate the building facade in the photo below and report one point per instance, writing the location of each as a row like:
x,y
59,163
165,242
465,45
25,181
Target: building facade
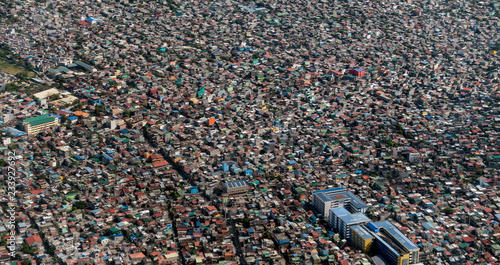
x,y
324,200
361,238
236,187
37,124
384,239
341,219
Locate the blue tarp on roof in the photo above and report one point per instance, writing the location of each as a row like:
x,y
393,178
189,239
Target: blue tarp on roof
x,y
78,157
14,132
107,157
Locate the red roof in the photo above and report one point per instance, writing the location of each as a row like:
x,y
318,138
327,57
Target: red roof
x,y
33,239
83,23
160,164
137,256
37,191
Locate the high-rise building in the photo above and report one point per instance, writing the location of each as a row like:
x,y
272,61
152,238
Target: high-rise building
x,y
341,219
384,239
361,238
324,200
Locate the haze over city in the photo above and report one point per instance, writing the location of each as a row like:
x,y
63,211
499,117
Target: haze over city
x,y
264,132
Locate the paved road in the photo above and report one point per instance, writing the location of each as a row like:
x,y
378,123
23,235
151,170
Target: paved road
x,y
234,236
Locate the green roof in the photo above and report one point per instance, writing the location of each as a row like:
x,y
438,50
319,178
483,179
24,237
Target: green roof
x,y
39,119
114,230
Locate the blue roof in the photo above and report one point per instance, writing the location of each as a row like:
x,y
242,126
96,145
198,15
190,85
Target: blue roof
x,y
361,231
349,218
372,227
382,241
283,241
338,194
323,197
236,184
397,235
107,156
427,226
355,201
14,132
329,190
340,211
355,218
78,157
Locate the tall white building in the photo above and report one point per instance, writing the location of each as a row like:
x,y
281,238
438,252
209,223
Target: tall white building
x,y
324,200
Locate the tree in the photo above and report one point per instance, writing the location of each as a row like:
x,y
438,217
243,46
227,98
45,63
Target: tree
x,y
246,222
80,205
51,249
267,234
448,210
22,76
99,110
54,97
12,87
3,242
25,248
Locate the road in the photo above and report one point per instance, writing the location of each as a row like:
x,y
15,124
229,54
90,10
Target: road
x,y
229,221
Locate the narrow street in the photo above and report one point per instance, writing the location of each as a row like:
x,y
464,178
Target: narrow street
x,y
231,224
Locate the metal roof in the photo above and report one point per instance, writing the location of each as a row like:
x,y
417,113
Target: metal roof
x,y
361,231
396,234
14,132
355,201
39,119
236,184
340,211
355,218
340,194
329,190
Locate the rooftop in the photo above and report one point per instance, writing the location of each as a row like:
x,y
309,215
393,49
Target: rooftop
x,y
340,194
39,119
348,217
361,231
396,234
236,184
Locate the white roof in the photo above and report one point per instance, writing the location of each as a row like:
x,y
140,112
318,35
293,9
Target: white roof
x,y
46,93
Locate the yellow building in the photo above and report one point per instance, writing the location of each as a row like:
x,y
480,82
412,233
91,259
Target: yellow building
x,y
361,238
391,244
37,124
385,240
